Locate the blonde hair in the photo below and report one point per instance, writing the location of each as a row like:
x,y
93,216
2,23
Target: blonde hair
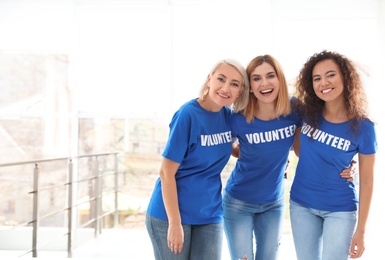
x,y
241,102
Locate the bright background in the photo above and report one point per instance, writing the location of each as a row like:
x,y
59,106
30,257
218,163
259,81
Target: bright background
x,y
143,59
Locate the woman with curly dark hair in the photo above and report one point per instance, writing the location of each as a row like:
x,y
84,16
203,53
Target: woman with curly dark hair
x,y
327,222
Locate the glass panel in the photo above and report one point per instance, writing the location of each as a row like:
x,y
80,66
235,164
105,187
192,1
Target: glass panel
x,y
34,109
23,139
35,83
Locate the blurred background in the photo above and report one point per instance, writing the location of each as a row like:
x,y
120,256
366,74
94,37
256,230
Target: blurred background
x,y
93,76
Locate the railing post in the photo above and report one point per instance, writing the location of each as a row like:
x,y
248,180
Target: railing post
x,y
70,208
35,220
96,215
97,196
116,214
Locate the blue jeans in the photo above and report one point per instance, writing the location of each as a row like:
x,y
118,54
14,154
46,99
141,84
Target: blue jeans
x,y
321,234
200,241
243,219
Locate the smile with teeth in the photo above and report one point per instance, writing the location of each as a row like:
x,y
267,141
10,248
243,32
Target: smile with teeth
x,y
324,91
266,91
223,95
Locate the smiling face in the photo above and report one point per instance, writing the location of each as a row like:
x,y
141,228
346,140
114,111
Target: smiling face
x,y
264,83
225,86
327,81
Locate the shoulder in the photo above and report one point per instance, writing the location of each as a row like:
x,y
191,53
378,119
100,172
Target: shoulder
x,y
363,126
185,112
189,105
236,116
295,104
367,123
235,113
226,111
188,108
368,136
367,127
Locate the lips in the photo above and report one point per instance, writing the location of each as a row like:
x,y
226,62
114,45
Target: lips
x,y
223,95
266,91
325,91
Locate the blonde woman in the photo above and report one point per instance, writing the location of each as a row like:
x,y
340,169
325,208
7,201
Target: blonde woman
x,y
184,217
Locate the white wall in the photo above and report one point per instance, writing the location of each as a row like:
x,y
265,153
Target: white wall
x,y
149,57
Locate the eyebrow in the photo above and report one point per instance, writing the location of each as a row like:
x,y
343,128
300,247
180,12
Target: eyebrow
x,y
271,72
325,73
220,74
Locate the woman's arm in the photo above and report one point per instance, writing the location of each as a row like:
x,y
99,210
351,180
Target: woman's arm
x,y
235,149
366,172
296,145
175,236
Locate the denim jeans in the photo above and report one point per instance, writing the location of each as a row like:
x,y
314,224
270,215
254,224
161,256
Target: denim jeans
x,y
321,234
243,219
200,241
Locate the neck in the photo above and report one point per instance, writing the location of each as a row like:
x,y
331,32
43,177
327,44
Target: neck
x,y
335,112
265,111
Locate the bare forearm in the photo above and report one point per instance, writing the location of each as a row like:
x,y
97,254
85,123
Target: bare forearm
x,y
169,190
170,199
365,198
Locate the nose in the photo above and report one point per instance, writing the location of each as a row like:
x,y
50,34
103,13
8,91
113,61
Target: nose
x,y
265,82
324,81
226,87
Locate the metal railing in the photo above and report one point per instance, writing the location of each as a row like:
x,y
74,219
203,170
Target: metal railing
x,y
82,185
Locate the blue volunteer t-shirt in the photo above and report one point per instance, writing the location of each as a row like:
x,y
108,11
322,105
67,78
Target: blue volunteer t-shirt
x,y
201,142
317,183
258,176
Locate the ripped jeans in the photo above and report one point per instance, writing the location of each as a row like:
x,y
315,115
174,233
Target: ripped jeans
x,y
245,223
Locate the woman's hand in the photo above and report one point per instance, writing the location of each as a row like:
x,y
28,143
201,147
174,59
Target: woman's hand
x,y
349,173
175,238
235,147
